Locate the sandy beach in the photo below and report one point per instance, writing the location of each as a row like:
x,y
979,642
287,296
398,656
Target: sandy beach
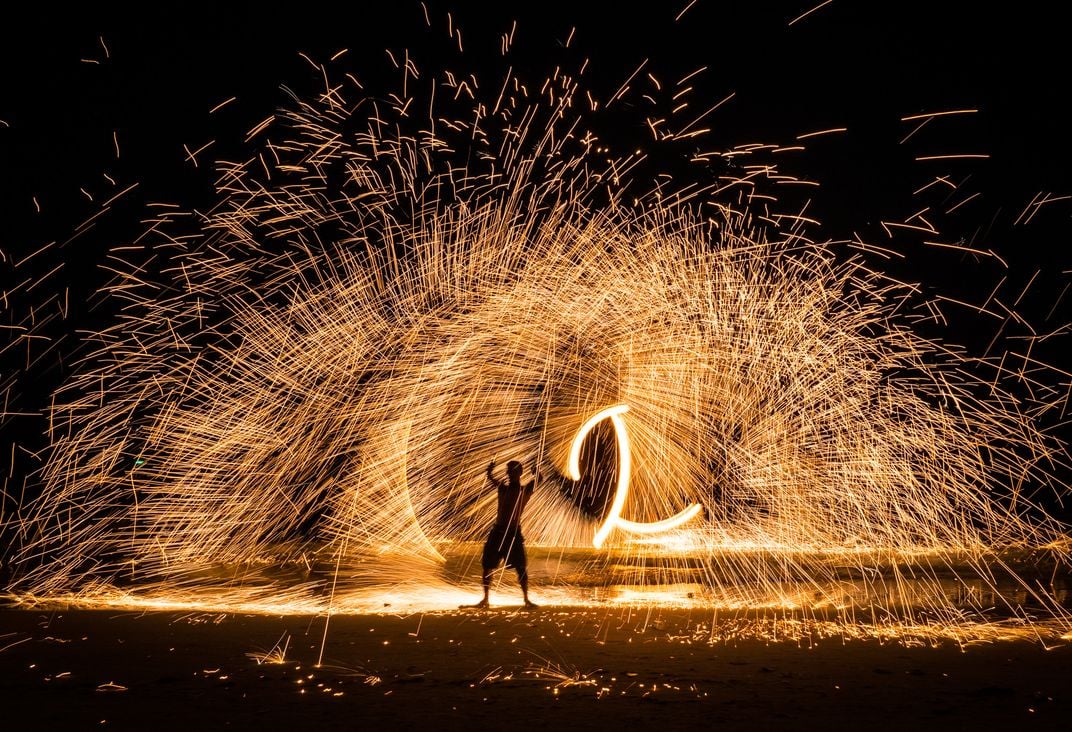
x,y
553,668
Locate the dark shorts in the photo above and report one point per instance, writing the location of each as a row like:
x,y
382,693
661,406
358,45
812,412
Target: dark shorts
x,y
504,544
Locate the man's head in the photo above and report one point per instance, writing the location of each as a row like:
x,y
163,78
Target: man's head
x,y
513,469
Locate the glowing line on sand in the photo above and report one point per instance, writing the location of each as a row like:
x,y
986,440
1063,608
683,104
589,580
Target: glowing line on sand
x,y
614,516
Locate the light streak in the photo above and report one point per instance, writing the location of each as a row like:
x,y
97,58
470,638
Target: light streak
x,y
932,115
808,12
954,156
818,133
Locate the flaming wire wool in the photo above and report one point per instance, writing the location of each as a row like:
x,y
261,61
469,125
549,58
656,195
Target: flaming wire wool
x,y
320,368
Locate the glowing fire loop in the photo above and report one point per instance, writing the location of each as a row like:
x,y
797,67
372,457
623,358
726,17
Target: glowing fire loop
x,y
614,516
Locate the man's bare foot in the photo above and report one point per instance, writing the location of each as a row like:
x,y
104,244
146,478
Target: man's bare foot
x,y
483,605
530,605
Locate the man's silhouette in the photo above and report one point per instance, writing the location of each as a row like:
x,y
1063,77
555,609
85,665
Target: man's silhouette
x,y
505,541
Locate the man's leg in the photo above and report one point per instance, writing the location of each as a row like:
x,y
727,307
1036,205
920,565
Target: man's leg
x,y
517,559
523,580
521,563
487,586
489,560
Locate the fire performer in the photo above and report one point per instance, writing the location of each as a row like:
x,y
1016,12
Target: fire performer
x,y
505,541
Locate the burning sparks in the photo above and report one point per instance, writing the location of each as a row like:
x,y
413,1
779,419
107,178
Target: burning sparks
x,y
294,409
276,655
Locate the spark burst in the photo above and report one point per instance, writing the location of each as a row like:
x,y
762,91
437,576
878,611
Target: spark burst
x,y
296,405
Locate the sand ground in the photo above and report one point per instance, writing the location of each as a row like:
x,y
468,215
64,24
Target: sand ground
x,y
553,668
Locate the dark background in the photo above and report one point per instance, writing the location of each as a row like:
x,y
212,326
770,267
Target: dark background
x,y
858,65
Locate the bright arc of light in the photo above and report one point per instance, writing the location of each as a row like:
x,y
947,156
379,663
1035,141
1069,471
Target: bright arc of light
x,y
614,516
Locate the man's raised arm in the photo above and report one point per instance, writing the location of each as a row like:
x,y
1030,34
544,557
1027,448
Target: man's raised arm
x,y
491,467
535,479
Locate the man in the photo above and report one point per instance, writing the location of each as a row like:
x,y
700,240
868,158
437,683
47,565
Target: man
x,y
505,541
